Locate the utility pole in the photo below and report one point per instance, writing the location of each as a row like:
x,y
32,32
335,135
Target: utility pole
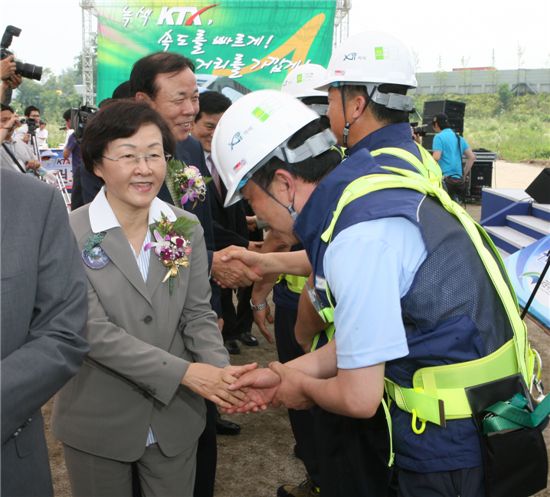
x,y
88,13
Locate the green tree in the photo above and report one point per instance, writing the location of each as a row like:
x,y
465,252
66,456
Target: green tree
x,y
505,97
53,95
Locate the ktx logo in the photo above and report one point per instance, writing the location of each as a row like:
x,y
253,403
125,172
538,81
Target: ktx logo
x,y
176,16
350,56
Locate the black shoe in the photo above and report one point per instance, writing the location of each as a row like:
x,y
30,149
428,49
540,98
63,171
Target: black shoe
x,y
225,427
232,346
248,339
305,489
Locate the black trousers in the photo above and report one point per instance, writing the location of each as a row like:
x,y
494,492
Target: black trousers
x,y
459,483
207,455
301,422
354,455
76,191
344,456
236,320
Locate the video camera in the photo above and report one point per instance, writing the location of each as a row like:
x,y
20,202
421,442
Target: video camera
x,y
79,118
421,130
32,124
25,70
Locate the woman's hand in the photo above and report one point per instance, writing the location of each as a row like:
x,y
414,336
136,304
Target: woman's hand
x,y
212,383
260,386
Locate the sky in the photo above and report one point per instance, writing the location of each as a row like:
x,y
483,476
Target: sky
x,y
443,35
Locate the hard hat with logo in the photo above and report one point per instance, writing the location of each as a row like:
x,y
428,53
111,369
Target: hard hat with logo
x,y
255,129
373,58
302,81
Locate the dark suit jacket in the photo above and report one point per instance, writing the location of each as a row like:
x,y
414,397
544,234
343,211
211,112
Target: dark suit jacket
x,y
190,151
229,222
43,314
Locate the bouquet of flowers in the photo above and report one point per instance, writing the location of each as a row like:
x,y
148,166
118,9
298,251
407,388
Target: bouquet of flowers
x,y
185,183
172,245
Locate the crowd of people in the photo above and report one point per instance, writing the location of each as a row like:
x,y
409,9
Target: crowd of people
x,y
187,211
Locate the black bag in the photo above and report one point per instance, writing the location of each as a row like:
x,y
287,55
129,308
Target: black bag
x,y
515,461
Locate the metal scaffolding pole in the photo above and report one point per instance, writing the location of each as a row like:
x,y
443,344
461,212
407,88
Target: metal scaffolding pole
x,y
88,12
341,21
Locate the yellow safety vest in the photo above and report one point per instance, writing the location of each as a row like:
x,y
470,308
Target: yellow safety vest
x,y
438,392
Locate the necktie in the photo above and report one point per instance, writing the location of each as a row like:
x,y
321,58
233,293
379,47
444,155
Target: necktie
x,y
214,173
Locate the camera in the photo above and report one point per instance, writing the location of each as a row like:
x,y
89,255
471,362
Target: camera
x,y
79,118
421,130
31,123
29,71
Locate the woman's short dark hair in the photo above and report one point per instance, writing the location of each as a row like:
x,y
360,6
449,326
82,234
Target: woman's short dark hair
x,y
311,170
120,119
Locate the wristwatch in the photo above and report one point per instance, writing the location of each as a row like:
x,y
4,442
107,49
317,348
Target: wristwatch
x,y
259,307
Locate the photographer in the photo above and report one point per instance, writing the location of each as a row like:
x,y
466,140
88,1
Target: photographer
x,y
31,124
12,70
448,149
14,153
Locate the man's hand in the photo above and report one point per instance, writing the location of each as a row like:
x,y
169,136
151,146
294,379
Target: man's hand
x,y
7,67
231,272
260,318
32,164
13,81
213,383
251,223
253,260
290,392
259,385
255,246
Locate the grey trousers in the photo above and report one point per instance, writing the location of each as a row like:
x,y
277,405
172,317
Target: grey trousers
x,y
159,476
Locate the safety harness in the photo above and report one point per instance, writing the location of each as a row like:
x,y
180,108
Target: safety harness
x,y
438,392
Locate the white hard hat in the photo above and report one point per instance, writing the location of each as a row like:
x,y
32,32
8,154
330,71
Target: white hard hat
x,y
373,58
255,129
302,81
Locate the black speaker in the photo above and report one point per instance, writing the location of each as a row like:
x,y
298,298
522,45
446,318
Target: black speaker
x,y
453,109
481,175
539,189
428,140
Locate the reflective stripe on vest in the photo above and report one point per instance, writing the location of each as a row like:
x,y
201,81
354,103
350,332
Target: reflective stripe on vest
x,y
438,393
294,283
428,167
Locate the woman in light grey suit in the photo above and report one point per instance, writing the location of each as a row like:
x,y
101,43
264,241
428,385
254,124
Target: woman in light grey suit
x,y
155,345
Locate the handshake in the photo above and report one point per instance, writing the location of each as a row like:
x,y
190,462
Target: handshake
x,y
276,385
249,388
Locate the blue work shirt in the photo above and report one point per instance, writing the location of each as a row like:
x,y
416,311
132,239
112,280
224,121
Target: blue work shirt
x,y
370,266
452,148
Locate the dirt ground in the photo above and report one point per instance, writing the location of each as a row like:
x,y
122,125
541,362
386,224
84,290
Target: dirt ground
x,y
261,458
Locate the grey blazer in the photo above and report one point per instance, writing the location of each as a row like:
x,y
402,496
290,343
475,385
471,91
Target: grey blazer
x,y
43,314
142,341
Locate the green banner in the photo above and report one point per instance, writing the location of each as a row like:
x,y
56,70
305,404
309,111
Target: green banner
x,y
254,43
